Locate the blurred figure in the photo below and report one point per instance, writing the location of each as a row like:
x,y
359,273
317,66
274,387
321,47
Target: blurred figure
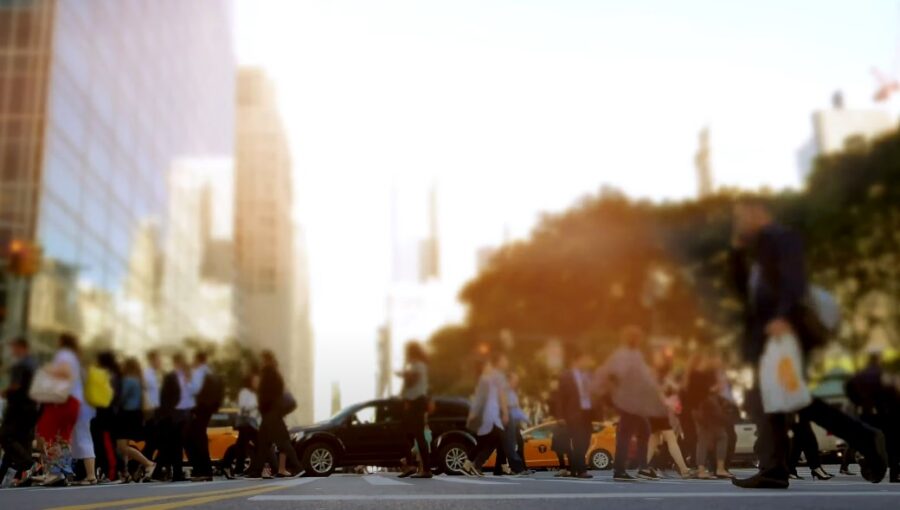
x,y
804,441
561,443
171,417
517,419
489,415
19,416
151,386
666,429
878,404
63,430
208,392
130,419
709,416
510,458
104,426
247,426
415,409
770,276
577,408
272,430
631,385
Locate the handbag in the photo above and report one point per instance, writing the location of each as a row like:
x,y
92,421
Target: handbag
x,y
781,383
288,404
46,388
98,390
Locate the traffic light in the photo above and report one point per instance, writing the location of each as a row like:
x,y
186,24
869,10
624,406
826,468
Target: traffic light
x,y
24,258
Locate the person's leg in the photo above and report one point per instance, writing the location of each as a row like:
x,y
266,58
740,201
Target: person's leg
x,y
501,459
642,435
623,442
286,449
867,440
520,447
486,445
424,448
671,441
722,453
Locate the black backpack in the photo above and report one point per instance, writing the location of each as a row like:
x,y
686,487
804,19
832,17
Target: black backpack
x,y
212,393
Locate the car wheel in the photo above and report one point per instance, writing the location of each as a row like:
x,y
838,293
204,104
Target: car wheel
x,y
319,460
601,460
453,457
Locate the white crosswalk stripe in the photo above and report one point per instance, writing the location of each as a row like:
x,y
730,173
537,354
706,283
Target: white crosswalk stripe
x,y
471,481
383,480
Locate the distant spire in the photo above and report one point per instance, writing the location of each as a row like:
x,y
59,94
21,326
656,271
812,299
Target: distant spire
x,y
704,169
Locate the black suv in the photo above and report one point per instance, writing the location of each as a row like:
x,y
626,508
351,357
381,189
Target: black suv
x,y
370,434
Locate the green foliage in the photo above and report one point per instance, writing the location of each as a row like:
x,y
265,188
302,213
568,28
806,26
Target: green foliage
x,y
583,273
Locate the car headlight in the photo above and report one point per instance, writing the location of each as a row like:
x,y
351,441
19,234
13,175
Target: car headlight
x,y
296,437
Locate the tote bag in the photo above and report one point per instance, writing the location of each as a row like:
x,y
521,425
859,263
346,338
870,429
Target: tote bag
x,y
48,389
781,382
98,390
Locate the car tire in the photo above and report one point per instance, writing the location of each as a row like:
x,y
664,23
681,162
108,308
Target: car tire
x,y
319,459
601,460
451,457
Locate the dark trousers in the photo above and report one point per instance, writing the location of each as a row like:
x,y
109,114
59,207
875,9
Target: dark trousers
x,y
493,440
772,433
580,430
512,450
631,426
804,441
170,441
889,424
151,436
414,425
15,440
272,431
197,442
237,454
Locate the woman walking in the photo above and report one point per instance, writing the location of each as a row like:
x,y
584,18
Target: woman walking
x,y
247,426
130,420
415,406
272,430
709,418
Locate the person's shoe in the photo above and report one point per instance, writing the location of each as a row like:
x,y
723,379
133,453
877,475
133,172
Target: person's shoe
x,y
647,474
229,474
793,475
202,478
846,471
423,475
583,475
820,474
524,472
873,467
761,481
409,472
148,474
562,473
623,477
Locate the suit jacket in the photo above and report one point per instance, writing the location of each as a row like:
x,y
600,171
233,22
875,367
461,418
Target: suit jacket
x,y
271,389
778,290
169,394
569,398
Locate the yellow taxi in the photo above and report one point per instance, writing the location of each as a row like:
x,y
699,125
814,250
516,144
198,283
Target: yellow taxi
x,y
540,455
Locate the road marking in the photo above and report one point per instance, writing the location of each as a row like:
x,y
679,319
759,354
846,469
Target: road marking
x,y
470,481
236,492
568,496
202,500
383,480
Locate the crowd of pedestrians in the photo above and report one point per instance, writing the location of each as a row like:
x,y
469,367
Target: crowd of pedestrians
x,y
87,417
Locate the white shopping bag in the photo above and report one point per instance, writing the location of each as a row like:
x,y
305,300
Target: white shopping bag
x,y
781,380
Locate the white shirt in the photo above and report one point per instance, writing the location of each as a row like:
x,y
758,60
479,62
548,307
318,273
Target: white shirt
x,y
69,358
584,396
187,396
248,403
491,417
151,388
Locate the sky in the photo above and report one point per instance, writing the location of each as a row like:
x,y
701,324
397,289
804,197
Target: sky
x,y
515,108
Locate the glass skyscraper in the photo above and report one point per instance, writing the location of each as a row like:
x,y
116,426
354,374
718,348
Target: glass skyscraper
x,y
98,99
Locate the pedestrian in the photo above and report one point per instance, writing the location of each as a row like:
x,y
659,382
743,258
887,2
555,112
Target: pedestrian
x,y
272,429
577,408
631,386
209,392
518,419
247,425
560,442
769,274
130,420
488,417
666,429
415,407
175,404
105,421
20,416
709,418
151,385
804,442
878,404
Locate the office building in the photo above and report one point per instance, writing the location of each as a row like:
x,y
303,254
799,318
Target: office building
x,y
97,99
271,278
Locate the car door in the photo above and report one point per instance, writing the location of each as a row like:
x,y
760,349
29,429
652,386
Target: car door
x,y
365,438
538,446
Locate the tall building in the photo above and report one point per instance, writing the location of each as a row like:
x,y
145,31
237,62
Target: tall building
x,y
839,128
270,276
96,101
704,165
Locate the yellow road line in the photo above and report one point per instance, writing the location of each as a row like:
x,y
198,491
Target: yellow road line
x,y
151,499
209,499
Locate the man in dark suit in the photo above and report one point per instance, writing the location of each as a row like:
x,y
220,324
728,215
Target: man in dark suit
x,y
770,275
576,408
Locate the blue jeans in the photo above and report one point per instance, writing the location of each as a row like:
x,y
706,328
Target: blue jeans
x,y
631,425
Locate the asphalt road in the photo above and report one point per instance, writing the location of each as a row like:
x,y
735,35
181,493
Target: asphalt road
x,y
385,491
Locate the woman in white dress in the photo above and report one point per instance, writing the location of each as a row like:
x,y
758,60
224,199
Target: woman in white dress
x,y
82,442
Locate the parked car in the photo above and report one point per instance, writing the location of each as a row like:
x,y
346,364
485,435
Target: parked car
x,y
370,434
538,454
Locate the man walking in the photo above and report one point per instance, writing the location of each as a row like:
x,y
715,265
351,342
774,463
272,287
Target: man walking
x,y
769,273
20,414
151,387
208,395
577,410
